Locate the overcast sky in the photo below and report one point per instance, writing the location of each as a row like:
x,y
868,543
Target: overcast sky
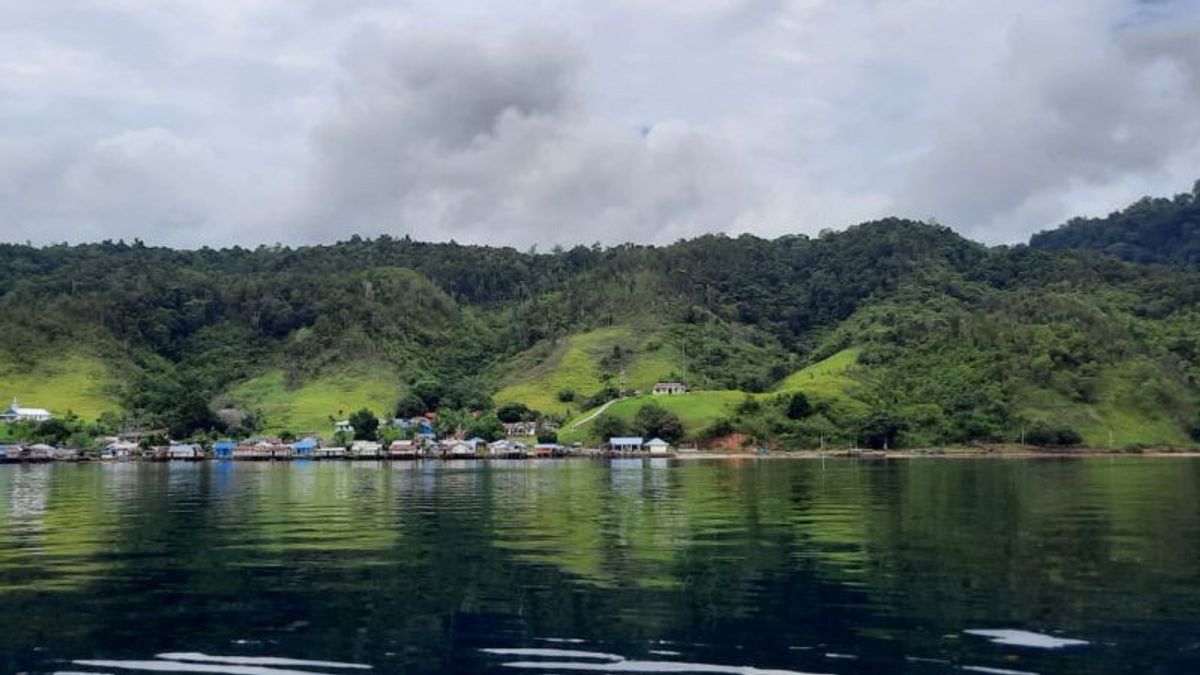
x,y
196,122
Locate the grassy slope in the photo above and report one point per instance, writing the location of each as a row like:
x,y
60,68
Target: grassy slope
x,y
829,379
76,382
696,410
309,406
1123,408
540,373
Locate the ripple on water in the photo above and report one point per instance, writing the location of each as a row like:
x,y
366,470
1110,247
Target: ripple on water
x,y
614,663
194,662
1024,638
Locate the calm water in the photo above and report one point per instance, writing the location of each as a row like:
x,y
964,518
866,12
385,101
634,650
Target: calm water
x,y
582,566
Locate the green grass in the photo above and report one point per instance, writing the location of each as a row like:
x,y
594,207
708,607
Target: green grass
x,y
830,377
308,407
695,409
74,382
574,363
1124,413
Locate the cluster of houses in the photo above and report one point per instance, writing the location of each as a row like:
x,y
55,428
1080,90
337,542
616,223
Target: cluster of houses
x,y
312,448
39,452
422,443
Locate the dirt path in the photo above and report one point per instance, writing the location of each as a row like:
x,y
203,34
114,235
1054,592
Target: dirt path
x,y
589,418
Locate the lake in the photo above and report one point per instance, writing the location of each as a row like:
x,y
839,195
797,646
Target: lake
x,y
631,566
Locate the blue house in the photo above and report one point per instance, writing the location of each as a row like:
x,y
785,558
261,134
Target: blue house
x,y
424,430
224,449
305,447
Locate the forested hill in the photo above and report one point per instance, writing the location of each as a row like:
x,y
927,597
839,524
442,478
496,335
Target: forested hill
x,y
893,332
1162,231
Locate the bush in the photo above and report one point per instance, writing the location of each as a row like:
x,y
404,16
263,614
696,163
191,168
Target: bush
x,y
748,406
515,412
1044,434
718,429
600,398
547,436
566,395
798,406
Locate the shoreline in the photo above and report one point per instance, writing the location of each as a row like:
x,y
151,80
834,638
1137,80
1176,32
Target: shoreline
x,y
957,453
992,453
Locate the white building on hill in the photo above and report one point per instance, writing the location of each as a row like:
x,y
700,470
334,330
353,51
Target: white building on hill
x,y
15,413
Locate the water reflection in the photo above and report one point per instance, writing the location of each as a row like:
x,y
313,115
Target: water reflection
x,y
846,568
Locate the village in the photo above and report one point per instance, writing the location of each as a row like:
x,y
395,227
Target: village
x,y
520,441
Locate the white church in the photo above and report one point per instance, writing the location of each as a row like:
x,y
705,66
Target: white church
x,y
15,413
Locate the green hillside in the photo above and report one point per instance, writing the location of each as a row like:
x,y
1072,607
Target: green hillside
x,y
1136,404
1162,231
828,382
830,377
74,382
309,406
695,409
892,332
578,364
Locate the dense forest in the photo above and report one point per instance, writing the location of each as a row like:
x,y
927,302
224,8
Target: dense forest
x,y
891,332
1161,231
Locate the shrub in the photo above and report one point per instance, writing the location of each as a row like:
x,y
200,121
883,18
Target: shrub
x,y
798,406
566,395
748,405
718,429
1044,434
515,412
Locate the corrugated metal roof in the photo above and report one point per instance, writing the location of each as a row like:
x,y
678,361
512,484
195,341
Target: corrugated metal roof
x,y
625,440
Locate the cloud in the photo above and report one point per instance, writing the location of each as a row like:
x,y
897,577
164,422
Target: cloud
x,y
1065,114
190,123
451,135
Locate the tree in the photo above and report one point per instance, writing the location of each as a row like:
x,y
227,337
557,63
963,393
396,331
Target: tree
x,y
547,436
881,430
410,405
607,426
515,412
366,425
488,427
798,406
430,391
718,429
566,395
652,420
287,436
748,405
342,438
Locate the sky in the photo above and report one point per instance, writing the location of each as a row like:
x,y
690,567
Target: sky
x,y
192,123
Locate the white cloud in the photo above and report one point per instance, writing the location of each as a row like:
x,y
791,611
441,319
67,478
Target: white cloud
x,y
193,123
